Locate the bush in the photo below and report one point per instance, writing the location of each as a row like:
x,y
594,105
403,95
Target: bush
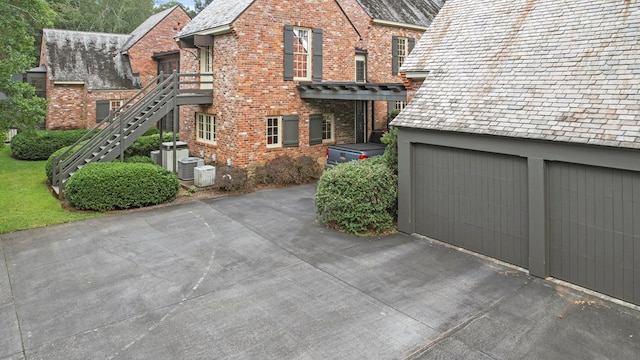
x,y
358,196
140,160
147,143
391,151
39,145
116,185
285,170
229,178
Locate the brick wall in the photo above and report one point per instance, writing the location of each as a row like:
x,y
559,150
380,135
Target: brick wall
x,y
157,40
249,85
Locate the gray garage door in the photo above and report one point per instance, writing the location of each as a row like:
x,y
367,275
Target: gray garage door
x,y
474,200
594,228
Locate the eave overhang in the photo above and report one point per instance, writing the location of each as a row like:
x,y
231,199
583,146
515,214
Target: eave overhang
x,y
352,91
399,25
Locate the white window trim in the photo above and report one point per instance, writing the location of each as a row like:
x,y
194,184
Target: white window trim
x,y
206,67
200,117
309,54
280,132
114,105
332,118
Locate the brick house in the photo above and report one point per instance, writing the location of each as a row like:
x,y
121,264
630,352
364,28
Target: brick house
x,y
89,74
293,77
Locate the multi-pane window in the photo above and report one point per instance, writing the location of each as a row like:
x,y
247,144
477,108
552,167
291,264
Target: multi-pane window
x,y
206,127
327,127
402,49
361,68
301,54
399,105
114,105
206,67
274,137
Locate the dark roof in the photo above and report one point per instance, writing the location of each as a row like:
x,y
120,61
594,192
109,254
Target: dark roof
x,y
93,58
352,91
551,70
146,26
413,12
218,13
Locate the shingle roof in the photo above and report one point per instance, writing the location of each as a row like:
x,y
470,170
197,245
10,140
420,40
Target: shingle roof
x,y
414,12
560,70
146,26
218,13
94,58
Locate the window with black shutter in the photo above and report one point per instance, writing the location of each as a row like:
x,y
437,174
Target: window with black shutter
x,y
290,133
315,129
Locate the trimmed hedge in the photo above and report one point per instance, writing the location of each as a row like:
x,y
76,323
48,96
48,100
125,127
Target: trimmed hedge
x,y
285,170
140,160
116,185
39,145
147,143
358,196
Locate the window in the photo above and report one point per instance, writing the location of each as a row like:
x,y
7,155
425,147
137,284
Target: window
x,y
107,108
282,131
327,127
401,47
394,108
273,131
206,127
361,68
206,67
302,53
399,105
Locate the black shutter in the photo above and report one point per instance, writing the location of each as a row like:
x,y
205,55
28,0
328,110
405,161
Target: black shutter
x,y
412,44
394,52
102,109
317,54
288,52
315,129
290,131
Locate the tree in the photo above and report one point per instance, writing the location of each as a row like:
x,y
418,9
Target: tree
x,y
110,16
21,19
199,5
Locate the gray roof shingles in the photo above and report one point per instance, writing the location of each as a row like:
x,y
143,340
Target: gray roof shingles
x,y
414,12
559,70
93,58
218,13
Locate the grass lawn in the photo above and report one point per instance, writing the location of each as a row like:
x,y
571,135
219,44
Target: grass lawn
x,y
25,198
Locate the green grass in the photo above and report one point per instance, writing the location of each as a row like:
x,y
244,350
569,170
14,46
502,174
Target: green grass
x,y
25,197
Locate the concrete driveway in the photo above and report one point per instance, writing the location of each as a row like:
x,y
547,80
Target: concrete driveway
x,y
257,277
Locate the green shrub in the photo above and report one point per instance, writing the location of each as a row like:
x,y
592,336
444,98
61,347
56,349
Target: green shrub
x,y
285,170
358,196
152,131
39,145
116,185
139,160
145,144
229,178
48,166
391,151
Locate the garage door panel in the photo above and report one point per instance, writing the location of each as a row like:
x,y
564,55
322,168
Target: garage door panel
x,y
474,200
593,228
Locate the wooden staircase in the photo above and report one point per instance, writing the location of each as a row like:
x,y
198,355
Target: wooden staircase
x,y
113,135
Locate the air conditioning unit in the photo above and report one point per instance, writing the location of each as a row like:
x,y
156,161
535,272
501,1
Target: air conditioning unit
x,y
186,166
204,175
181,149
155,156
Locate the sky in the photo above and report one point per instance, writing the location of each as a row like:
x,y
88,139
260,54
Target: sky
x,y
186,3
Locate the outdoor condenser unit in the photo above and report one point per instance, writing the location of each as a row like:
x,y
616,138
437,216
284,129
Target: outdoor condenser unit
x,y
186,166
204,175
155,156
182,151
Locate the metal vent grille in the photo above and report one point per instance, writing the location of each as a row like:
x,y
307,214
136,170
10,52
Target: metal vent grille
x,y
186,166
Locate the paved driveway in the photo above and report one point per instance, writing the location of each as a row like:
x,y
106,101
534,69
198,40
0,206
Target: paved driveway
x,y
257,277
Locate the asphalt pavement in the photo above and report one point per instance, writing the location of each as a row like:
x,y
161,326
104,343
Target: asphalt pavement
x,y
258,277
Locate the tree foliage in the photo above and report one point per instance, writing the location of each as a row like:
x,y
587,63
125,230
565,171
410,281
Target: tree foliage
x,y
109,16
19,108
199,5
